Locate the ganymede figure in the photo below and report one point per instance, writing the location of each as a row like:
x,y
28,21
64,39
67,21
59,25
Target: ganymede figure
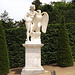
x,y
34,21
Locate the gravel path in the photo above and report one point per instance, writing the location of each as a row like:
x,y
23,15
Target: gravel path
x,y
48,69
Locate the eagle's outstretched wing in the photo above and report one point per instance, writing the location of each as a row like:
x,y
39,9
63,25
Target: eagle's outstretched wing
x,y
45,20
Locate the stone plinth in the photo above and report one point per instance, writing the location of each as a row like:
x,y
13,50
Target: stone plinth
x,y
32,60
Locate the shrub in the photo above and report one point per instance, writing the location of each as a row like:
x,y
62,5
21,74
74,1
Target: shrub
x,y
4,60
64,56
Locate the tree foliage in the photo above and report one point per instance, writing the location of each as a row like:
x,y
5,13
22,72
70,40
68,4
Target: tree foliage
x,y
73,2
37,3
6,21
20,23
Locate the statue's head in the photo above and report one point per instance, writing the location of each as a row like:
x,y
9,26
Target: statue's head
x,y
32,7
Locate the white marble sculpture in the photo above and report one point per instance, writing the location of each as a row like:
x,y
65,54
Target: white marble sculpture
x,y
34,21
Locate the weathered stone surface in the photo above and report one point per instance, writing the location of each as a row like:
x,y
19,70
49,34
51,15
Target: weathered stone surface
x,y
32,60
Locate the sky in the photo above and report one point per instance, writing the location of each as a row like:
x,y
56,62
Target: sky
x,y
17,8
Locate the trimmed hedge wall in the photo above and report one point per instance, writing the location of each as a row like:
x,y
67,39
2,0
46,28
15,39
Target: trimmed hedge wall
x,y
16,37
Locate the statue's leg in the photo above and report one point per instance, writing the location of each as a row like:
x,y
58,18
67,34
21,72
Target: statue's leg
x,y
27,35
31,28
28,30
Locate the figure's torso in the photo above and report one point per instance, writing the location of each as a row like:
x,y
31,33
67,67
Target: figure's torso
x,y
31,14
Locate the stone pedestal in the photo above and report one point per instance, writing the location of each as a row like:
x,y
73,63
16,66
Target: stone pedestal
x,y
32,60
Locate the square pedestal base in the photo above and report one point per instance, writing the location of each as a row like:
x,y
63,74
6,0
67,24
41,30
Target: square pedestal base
x,y
32,60
32,71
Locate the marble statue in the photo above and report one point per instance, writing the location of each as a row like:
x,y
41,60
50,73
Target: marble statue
x,y
34,21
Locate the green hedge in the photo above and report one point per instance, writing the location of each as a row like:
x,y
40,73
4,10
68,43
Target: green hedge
x,y
16,37
54,12
50,47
